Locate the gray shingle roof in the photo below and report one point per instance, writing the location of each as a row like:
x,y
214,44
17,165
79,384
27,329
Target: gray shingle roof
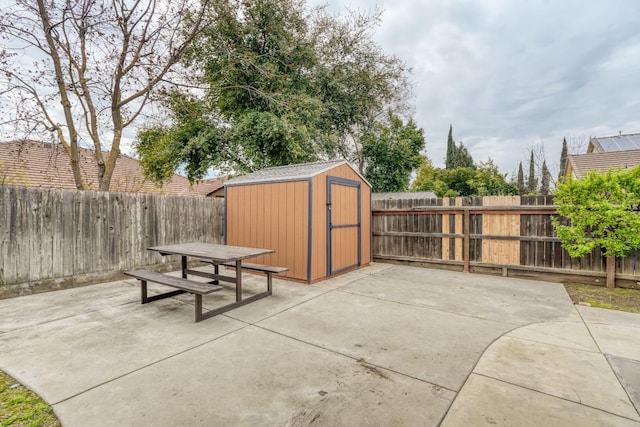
x,y
602,162
286,173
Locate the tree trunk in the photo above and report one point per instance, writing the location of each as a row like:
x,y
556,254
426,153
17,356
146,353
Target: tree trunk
x,y
611,272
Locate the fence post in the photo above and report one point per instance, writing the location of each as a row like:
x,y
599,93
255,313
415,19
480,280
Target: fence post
x,y
467,240
611,271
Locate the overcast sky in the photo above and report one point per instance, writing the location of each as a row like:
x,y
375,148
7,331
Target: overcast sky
x,y
508,74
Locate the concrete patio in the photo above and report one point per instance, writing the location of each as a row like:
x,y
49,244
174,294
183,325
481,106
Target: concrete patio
x,y
385,345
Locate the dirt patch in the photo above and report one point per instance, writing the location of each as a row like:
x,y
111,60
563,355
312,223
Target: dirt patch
x,y
599,296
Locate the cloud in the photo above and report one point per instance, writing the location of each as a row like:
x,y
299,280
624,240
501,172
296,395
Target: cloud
x,y
511,74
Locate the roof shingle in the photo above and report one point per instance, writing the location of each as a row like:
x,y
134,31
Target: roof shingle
x,y
287,173
40,164
581,164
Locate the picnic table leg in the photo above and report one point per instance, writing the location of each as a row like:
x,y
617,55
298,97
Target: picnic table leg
x,y
184,267
199,316
216,270
239,280
143,291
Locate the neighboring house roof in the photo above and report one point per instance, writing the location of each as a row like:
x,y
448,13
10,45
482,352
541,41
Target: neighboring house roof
x,y
404,195
40,164
614,143
290,173
580,164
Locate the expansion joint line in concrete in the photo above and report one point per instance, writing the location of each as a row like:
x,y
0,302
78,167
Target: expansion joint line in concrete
x,y
230,313
444,416
150,364
515,325
21,328
246,324
613,372
356,359
553,396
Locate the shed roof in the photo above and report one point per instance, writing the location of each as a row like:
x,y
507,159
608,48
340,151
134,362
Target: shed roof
x,y
581,164
296,172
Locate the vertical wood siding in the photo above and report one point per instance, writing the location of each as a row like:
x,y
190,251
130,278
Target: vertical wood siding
x,y
319,232
272,216
344,201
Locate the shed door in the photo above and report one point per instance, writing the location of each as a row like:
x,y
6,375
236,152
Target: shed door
x,y
343,224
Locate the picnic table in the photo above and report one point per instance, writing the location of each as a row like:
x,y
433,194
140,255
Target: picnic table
x,y
216,255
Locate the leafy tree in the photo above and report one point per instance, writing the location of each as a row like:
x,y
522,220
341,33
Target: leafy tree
x,y
489,181
97,65
427,177
532,182
357,80
601,210
563,160
461,181
546,179
486,180
281,85
392,151
520,183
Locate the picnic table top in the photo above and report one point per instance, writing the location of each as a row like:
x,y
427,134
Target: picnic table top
x,y
211,251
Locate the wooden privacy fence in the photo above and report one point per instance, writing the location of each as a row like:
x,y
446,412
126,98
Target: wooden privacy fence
x,y
509,235
51,238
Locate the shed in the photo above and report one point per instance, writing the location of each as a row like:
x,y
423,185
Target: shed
x,y
317,217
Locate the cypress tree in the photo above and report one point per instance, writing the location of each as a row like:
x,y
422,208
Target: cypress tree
x,y
563,160
450,161
532,182
546,179
520,183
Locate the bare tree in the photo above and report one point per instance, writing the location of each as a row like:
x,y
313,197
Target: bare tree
x,y
577,144
83,71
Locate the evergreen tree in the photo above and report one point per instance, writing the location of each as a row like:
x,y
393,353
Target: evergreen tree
x,y
563,160
450,161
457,156
546,179
520,183
532,182
463,157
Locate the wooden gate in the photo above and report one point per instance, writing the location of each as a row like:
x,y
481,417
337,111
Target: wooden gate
x,y
343,224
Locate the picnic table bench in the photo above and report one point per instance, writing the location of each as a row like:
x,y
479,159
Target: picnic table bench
x,y
215,254
183,285
268,269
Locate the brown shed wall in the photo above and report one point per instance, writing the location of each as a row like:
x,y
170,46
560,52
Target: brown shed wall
x,y
274,216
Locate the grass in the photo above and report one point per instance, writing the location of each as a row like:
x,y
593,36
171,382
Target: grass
x,y
20,407
602,297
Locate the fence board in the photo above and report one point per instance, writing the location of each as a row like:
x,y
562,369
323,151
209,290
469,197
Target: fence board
x,y
505,231
53,234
